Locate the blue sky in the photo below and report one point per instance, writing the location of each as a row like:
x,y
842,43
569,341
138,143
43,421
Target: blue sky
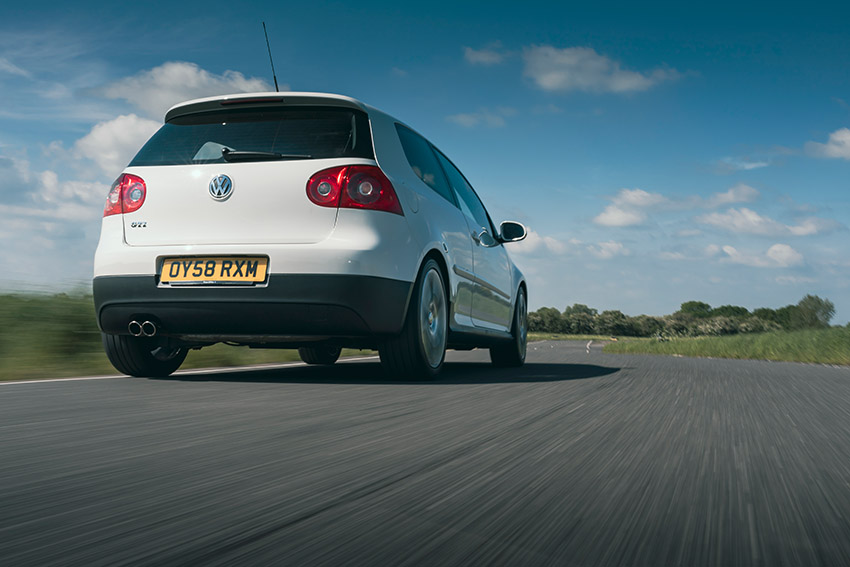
x,y
658,153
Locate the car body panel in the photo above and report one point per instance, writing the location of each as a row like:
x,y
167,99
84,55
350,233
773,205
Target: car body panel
x,y
268,204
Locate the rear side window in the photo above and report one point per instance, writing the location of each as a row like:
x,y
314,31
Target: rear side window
x,y
421,158
314,132
469,201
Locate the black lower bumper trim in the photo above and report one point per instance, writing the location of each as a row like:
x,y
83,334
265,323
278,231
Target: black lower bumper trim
x,y
303,305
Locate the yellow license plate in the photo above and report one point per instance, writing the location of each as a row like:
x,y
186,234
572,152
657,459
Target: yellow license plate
x,y
214,270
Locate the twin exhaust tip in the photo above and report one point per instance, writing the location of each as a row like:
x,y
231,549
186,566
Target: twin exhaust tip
x,y
146,329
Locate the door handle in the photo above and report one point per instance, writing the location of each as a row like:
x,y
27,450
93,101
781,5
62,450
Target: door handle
x,y
484,239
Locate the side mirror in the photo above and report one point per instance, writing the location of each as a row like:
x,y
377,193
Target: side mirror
x,y
512,231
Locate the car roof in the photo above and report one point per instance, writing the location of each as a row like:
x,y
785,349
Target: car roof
x,y
266,99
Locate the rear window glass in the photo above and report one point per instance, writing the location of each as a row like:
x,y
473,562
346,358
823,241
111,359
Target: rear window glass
x,y
317,132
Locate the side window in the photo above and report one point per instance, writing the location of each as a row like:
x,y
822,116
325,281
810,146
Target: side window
x,y
469,201
423,162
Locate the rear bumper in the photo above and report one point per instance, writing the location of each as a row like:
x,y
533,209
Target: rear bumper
x,y
290,305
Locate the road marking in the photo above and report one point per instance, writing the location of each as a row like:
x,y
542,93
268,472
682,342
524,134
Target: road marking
x,y
588,346
194,371
48,380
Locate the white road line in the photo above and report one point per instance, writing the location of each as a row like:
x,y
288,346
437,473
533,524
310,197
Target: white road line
x,y
193,372
48,380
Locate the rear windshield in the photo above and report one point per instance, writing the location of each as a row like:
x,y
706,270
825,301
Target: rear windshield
x,y
291,132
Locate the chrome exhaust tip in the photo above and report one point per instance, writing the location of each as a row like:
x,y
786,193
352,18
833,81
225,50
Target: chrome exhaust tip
x,y
135,328
148,328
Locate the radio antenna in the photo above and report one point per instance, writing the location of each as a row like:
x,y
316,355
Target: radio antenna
x,y
277,90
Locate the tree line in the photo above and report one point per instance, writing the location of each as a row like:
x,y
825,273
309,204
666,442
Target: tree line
x,y
694,318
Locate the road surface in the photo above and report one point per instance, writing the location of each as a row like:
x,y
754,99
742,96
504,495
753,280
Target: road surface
x,y
578,458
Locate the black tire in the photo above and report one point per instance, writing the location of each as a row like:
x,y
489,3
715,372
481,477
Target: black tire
x,y
418,352
141,356
513,354
324,354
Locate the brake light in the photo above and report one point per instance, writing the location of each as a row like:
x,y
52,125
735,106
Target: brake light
x,y
354,187
126,195
324,187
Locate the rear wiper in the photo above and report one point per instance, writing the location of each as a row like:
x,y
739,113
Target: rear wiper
x,y
237,155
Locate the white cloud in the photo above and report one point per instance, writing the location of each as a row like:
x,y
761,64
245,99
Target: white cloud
x,y
673,256
55,211
485,56
743,220
614,215
784,255
534,242
28,193
729,164
777,256
736,257
639,198
112,144
49,226
7,66
583,69
794,280
740,193
838,146
158,89
60,193
608,250
747,221
626,206
712,250
486,117
812,225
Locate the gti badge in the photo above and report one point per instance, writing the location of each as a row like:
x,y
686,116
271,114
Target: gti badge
x,y
221,187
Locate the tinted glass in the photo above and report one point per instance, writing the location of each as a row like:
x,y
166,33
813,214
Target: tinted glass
x,y
315,132
421,158
469,201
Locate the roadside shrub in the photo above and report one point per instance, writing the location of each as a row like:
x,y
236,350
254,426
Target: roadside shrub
x,y
758,325
716,326
679,324
693,319
647,326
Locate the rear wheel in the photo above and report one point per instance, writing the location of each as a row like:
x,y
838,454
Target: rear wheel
x,y
325,354
141,356
419,351
513,354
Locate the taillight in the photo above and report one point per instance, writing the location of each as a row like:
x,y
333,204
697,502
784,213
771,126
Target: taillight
x,y
126,195
354,187
324,187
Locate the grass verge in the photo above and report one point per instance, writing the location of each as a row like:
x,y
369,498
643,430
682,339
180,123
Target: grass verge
x,y
827,346
56,336
536,336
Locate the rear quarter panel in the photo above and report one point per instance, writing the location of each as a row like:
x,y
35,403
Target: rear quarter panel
x,y
433,220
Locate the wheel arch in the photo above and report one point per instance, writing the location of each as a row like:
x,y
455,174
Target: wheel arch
x,y
437,256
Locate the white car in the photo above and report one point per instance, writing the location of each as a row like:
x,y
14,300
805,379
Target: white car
x,y
301,220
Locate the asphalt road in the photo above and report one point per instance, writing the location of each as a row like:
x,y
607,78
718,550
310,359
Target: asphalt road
x,y
579,458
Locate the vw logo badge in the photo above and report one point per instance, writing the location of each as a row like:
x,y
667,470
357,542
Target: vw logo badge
x,y
221,187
